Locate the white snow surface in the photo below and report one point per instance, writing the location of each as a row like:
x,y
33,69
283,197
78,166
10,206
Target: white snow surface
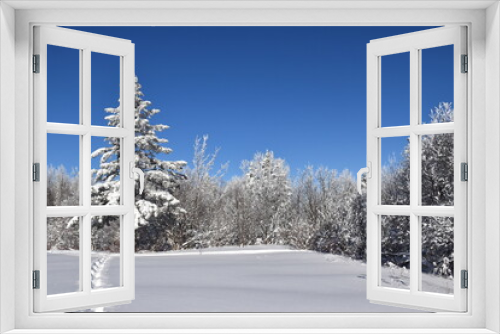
x,y
230,279
227,250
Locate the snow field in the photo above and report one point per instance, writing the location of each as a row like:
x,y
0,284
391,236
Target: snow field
x,y
233,279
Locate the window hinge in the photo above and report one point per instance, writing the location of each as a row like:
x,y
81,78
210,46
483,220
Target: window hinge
x,y
464,171
465,64
36,279
465,279
36,63
36,172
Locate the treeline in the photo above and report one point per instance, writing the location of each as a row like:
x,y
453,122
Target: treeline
x,y
319,209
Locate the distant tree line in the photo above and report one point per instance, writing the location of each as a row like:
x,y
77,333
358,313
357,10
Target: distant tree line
x,y
319,209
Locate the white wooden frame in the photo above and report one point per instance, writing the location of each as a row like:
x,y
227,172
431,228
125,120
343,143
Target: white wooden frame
x,y
86,43
483,19
414,43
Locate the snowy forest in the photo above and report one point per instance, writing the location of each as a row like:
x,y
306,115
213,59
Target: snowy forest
x,y
186,206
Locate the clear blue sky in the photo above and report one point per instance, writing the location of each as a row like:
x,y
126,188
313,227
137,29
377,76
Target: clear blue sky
x,y
298,91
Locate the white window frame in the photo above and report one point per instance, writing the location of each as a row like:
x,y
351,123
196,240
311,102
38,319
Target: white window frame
x,y
85,43
483,21
414,44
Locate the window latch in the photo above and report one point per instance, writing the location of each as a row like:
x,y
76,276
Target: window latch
x,y
133,170
366,170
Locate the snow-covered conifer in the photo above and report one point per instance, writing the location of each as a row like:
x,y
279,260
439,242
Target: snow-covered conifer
x,y
156,208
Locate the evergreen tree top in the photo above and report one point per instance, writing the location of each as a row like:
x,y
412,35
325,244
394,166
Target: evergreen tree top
x,y
147,143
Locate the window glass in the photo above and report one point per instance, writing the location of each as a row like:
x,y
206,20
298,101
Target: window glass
x,y
106,259
395,171
105,89
437,84
63,85
63,255
438,171
63,170
106,171
437,254
395,90
395,252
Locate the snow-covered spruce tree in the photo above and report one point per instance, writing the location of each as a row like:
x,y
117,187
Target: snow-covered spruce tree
x,y
156,210
267,180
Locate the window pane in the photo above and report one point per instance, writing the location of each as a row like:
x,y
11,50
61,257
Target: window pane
x,y
63,161
395,90
63,85
106,260
437,169
437,84
105,171
63,255
105,89
437,254
395,171
395,233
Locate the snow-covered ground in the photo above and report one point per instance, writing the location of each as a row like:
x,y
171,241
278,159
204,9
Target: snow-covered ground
x,y
232,279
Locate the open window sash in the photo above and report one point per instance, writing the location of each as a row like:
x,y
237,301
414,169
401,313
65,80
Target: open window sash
x,y
379,289
85,294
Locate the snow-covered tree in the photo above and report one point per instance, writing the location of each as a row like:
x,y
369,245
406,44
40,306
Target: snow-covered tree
x,y
309,197
321,210
329,202
200,194
438,161
156,209
437,189
269,186
236,213
63,233
339,209
396,179
62,187
62,190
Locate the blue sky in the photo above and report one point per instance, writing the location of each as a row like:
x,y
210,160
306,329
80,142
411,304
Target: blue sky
x,y
298,91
